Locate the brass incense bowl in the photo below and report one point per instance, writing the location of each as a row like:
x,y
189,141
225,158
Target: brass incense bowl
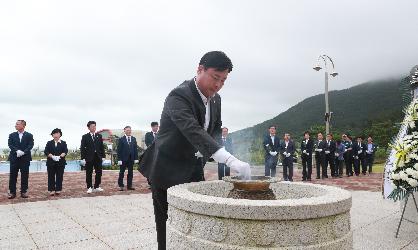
x,y
257,188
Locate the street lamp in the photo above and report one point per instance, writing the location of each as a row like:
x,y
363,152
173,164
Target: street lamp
x,y
325,59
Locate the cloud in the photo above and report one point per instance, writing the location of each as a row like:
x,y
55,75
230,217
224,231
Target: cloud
x,y
66,62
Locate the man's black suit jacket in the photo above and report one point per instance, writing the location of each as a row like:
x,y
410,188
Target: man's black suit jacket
x,y
308,147
125,149
171,159
88,147
149,138
25,145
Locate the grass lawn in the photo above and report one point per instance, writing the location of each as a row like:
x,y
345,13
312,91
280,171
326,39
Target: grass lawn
x,y
379,167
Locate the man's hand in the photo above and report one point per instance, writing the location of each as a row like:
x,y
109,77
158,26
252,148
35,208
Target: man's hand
x,y
19,153
83,162
103,159
288,155
273,153
56,158
304,151
243,168
120,163
327,151
136,161
360,151
62,155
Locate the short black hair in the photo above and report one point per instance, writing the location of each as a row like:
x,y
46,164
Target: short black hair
x,y
90,123
217,60
127,127
23,122
225,128
154,124
272,126
56,130
306,132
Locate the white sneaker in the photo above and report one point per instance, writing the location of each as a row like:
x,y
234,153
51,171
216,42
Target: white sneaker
x,y
98,189
89,191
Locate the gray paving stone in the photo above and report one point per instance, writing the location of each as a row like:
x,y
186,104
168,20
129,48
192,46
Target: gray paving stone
x,y
48,239
144,239
24,242
92,244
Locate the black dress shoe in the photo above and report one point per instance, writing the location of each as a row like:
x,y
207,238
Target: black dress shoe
x,y
11,196
131,188
24,195
318,177
120,188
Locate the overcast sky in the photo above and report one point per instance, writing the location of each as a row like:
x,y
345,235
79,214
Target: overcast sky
x,y
63,63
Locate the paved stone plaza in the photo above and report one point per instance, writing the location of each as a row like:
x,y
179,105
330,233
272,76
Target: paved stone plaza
x,y
125,220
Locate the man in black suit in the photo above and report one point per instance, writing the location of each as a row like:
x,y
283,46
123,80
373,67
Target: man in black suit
x,y
306,147
190,122
127,156
20,145
330,147
150,136
92,155
348,154
271,144
226,142
359,150
287,151
320,157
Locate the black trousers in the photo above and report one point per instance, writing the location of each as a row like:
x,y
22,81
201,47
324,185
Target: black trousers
x,y
159,198
369,162
270,163
55,176
287,168
348,159
306,167
97,165
320,162
15,166
330,160
340,167
223,170
357,163
126,165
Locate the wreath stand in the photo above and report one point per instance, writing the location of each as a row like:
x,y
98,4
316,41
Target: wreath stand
x,y
408,193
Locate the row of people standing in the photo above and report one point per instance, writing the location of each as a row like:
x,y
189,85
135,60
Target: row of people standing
x,y
325,151
92,155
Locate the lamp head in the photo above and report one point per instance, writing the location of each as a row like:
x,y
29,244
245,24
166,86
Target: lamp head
x,y
317,68
334,74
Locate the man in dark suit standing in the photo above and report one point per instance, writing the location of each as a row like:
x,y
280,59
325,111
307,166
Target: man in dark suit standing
x,y
348,154
330,147
20,145
92,155
271,144
320,157
149,139
150,136
371,149
359,150
190,122
226,142
287,150
306,148
127,156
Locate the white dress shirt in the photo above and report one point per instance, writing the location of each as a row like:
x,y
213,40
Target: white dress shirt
x,y
20,135
206,102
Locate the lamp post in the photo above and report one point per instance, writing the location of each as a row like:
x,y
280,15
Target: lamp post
x,y
325,59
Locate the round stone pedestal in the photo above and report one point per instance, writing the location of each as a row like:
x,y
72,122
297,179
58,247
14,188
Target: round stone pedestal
x,y
303,216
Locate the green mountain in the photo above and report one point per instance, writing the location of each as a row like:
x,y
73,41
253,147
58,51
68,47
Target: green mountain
x,y
369,108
